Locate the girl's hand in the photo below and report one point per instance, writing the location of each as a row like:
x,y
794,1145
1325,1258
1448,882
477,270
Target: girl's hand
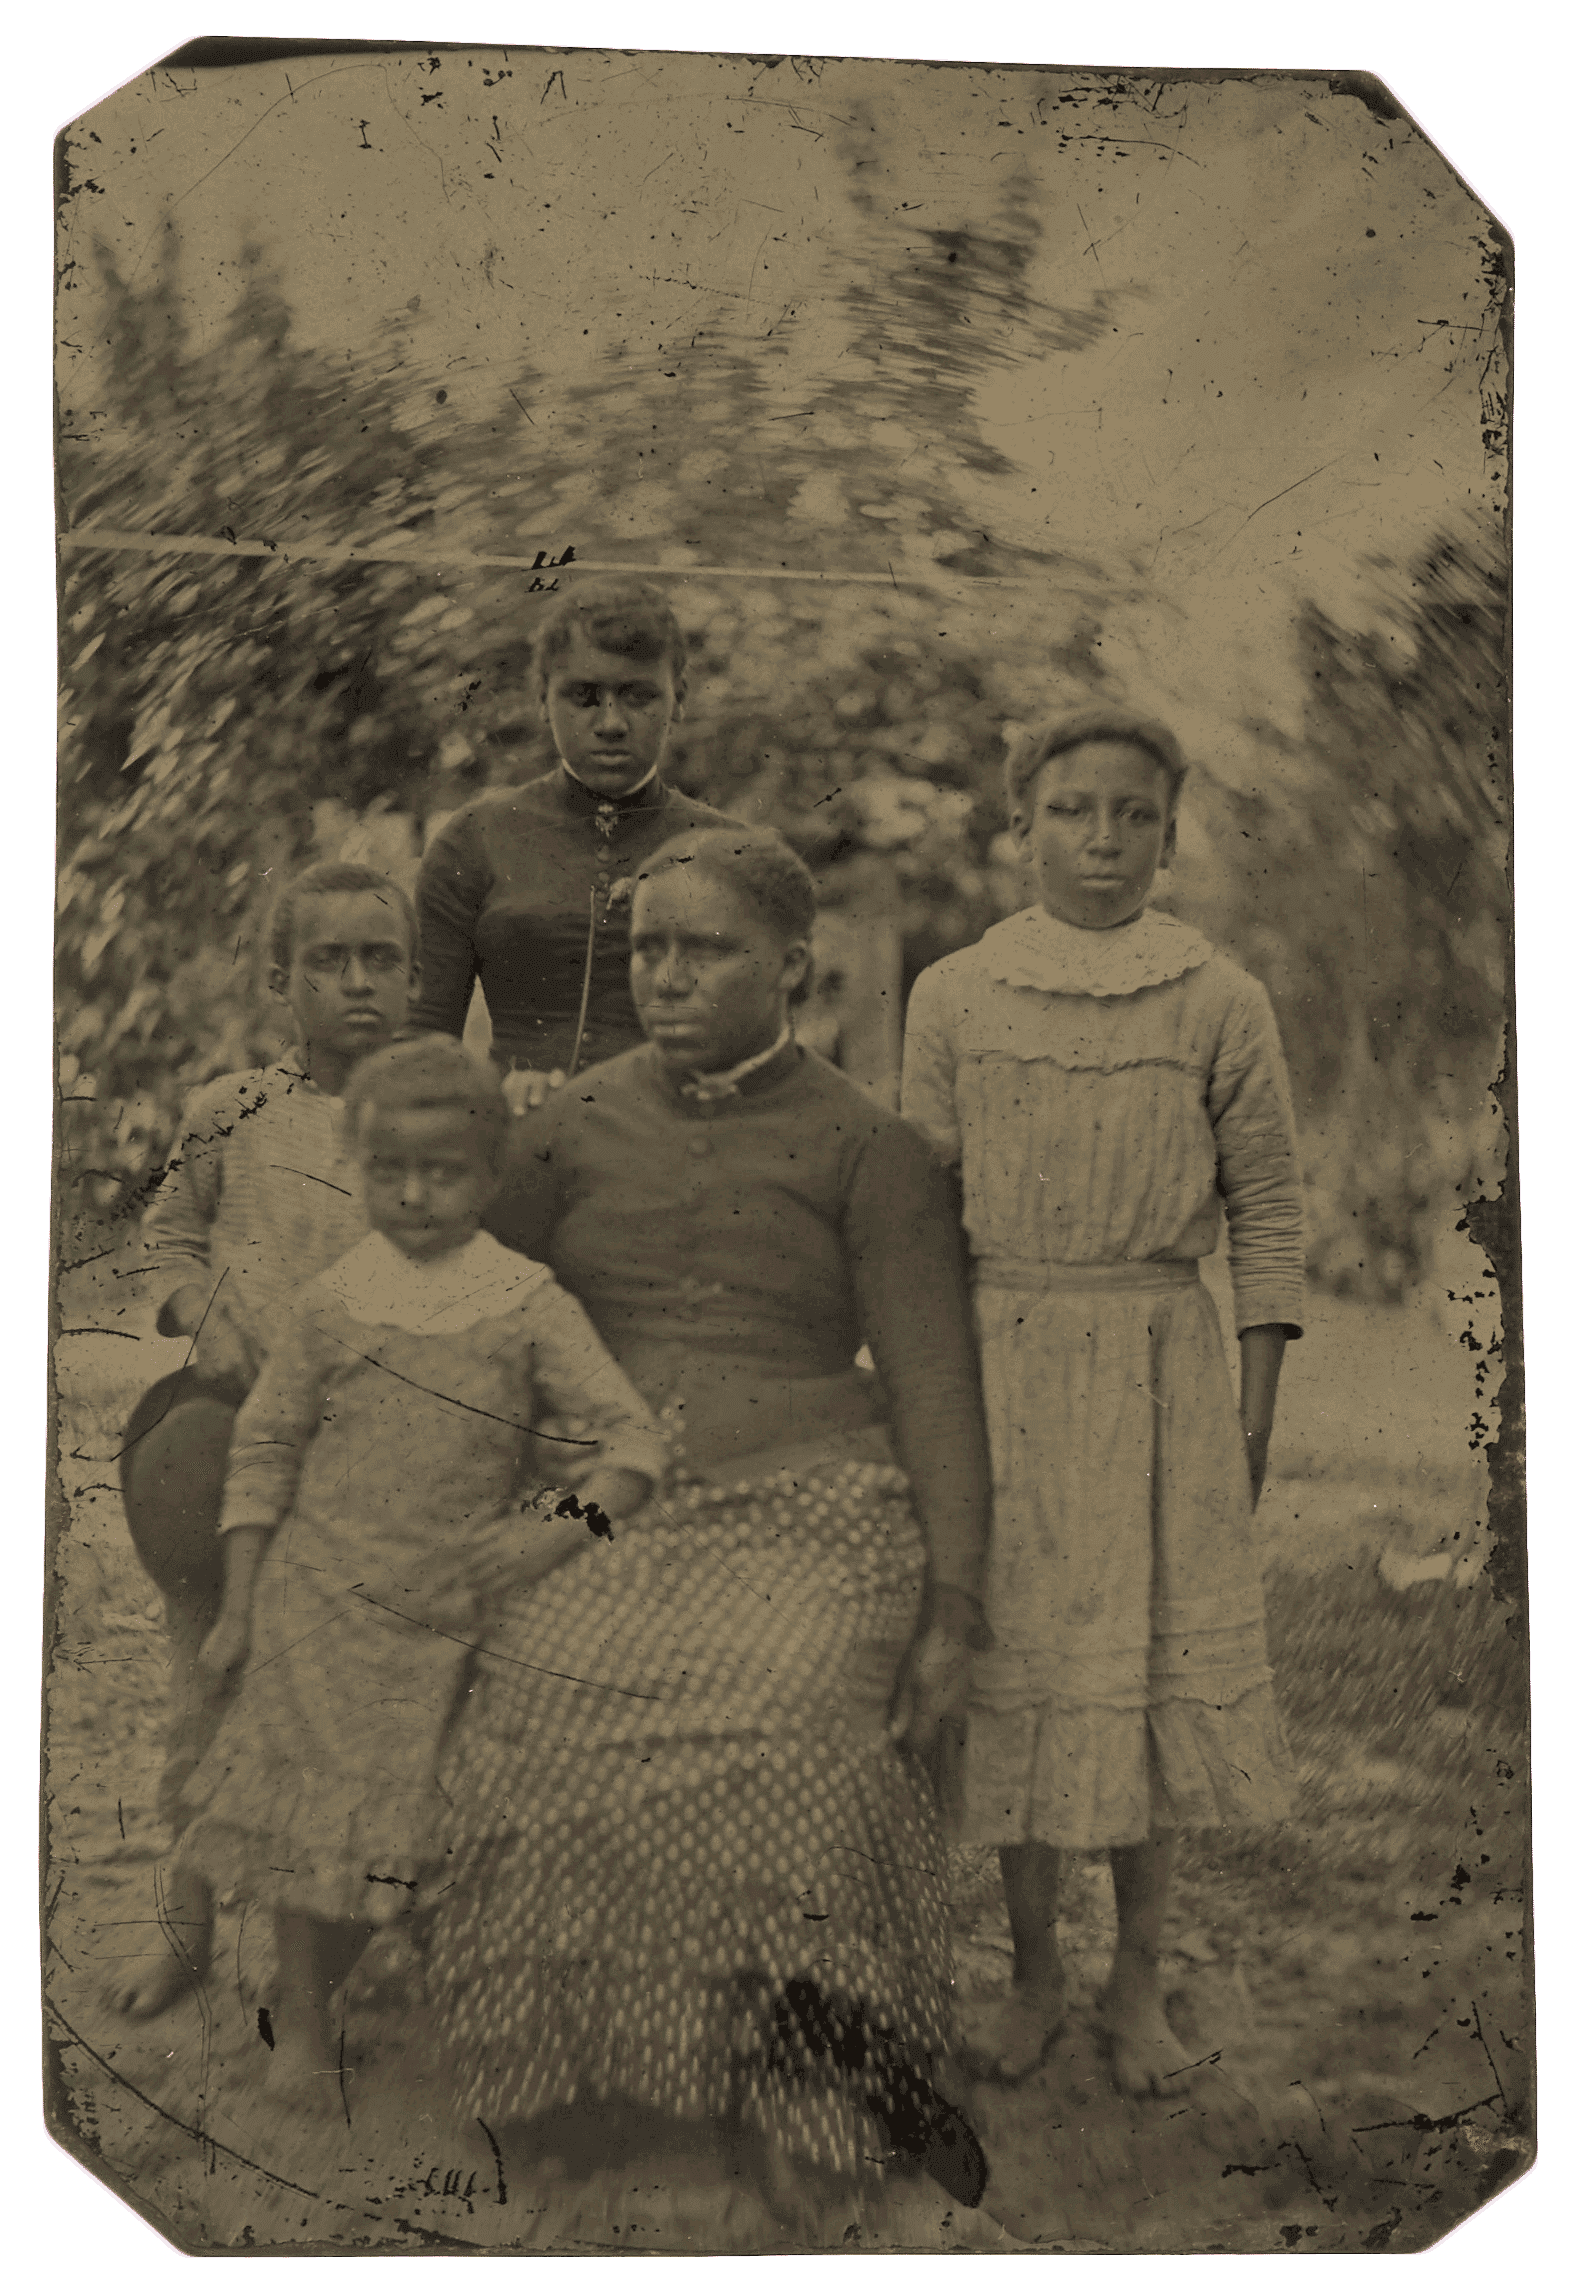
x,y
1261,1349
525,1088
1257,1442
223,1649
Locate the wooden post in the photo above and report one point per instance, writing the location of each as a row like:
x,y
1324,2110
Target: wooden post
x,y
855,1013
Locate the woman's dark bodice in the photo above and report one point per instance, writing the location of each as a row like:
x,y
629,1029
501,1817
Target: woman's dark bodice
x,y
506,893
735,1255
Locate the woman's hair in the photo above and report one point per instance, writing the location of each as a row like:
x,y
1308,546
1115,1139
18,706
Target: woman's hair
x,y
1031,755
426,1072
757,865
332,876
619,615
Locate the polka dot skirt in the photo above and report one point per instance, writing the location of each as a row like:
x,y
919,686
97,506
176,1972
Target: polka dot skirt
x,y
691,1871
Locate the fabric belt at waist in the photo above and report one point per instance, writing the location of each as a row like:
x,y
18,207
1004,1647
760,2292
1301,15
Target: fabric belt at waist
x,y
1058,1274
811,1461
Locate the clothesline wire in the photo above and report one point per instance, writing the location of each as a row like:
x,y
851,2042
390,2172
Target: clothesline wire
x,y
211,545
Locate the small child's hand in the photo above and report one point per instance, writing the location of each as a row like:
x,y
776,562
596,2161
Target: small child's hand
x,y
223,1648
613,1493
515,1551
518,1550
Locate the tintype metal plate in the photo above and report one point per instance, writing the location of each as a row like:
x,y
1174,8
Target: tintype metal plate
x,y
938,398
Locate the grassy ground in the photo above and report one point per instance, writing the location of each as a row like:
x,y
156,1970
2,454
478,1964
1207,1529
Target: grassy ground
x,y
1354,1984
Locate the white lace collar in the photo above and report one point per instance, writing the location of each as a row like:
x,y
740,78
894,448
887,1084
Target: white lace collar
x,y
1037,950
376,1283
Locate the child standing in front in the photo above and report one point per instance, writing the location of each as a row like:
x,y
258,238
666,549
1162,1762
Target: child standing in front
x,y
374,1509
1108,1083
261,1193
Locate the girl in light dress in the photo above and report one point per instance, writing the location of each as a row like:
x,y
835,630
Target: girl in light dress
x,y
1108,1083
378,1502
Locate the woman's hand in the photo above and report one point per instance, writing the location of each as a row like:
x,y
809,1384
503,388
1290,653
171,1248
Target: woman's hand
x,y
527,1087
223,1648
937,1671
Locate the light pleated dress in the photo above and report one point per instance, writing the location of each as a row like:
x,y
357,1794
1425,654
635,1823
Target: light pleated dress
x,y
1106,1094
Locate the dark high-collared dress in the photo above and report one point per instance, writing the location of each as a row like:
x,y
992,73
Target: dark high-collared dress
x,y
693,1874
506,896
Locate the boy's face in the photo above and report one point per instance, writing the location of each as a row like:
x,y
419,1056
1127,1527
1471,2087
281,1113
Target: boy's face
x,y
352,975
1102,825
428,1176
610,714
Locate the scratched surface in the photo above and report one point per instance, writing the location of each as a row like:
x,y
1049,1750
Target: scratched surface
x,y
936,395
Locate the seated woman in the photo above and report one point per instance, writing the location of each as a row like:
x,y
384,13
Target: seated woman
x,y
527,888
700,1899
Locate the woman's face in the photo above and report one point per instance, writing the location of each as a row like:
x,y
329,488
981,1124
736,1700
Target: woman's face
x,y
1101,827
711,980
610,715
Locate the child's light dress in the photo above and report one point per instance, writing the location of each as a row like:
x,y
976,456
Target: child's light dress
x,y
391,1419
1106,1093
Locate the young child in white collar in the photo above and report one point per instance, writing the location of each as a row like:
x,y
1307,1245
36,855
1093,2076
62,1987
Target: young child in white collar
x,y
1108,1083
378,1504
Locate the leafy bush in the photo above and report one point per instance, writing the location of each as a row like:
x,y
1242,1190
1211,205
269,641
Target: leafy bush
x,y
226,717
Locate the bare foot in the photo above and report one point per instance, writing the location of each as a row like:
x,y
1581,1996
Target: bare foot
x,y
1033,2016
174,1969
1147,2057
1010,2042
142,1997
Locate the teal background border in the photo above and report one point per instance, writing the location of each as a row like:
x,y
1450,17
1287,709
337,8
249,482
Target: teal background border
x,y
1487,86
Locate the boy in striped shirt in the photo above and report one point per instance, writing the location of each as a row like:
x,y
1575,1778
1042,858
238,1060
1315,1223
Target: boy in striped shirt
x,y
262,1193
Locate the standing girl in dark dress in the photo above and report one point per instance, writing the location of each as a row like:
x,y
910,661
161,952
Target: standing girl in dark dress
x,y
699,1900
527,889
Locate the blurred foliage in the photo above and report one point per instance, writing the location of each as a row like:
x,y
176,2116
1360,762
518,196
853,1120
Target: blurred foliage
x,y
226,718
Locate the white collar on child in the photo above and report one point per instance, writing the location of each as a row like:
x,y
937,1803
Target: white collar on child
x,y
376,1282
1037,950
